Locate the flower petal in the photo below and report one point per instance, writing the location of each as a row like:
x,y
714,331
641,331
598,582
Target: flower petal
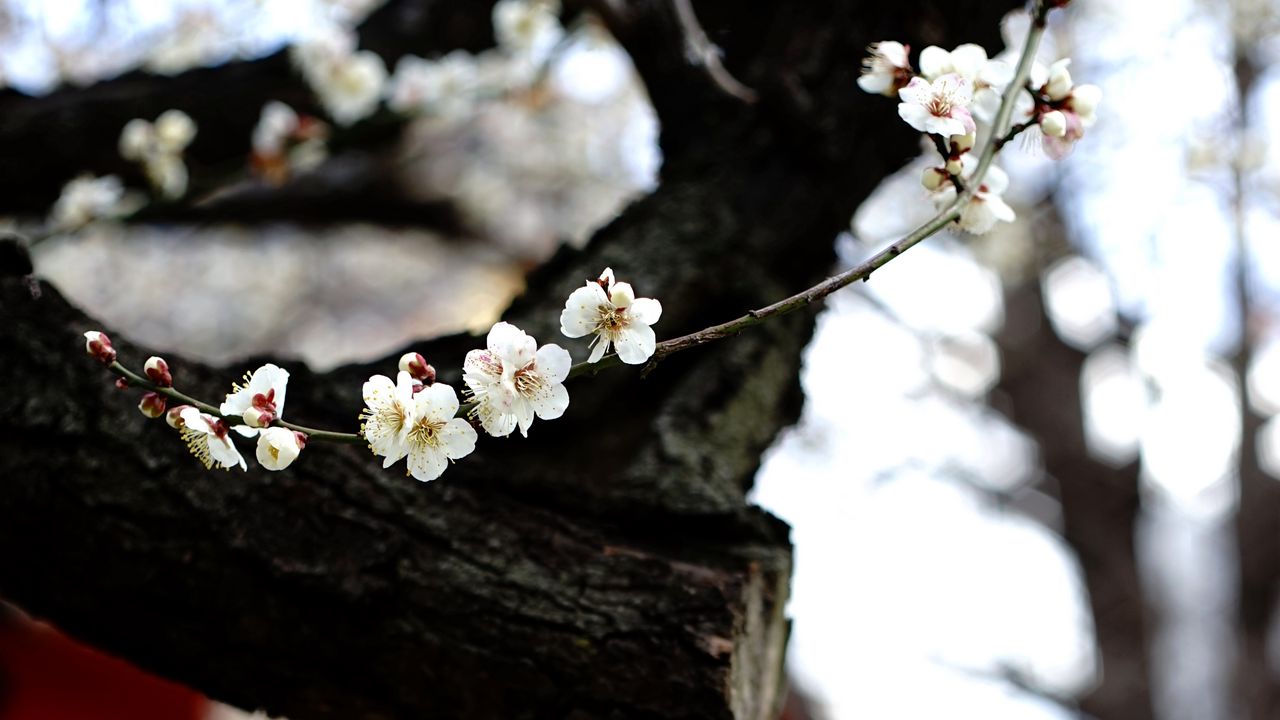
x,y
497,424
378,391
645,310
597,352
427,463
551,403
636,344
934,61
436,402
458,438
581,311
523,412
916,92
553,362
512,345
918,117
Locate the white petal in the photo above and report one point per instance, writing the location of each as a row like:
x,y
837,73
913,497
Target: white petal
x,y
645,311
918,117
916,92
635,344
427,463
196,420
960,90
378,391
224,452
934,61
523,412
554,362
436,402
996,73
512,345
996,180
1000,209
392,450
597,352
480,368
551,403
582,310
944,126
458,438
967,60
875,83
497,424
246,431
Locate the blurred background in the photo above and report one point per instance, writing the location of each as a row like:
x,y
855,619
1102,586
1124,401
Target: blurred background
x,y
1036,472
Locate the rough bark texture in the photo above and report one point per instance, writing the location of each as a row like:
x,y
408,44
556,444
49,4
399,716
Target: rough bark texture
x,y
1040,391
606,567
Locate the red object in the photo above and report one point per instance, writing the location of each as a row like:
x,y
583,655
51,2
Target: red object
x,y
44,675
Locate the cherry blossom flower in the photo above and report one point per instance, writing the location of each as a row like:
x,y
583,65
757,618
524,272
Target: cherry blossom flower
x,y
940,108
388,415
434,436
886,69
612,312
511,382
278,447
159,146
275,125
208,438
260,401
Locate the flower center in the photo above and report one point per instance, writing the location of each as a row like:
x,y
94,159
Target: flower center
x,y
528,381
426,432
612,320
940,105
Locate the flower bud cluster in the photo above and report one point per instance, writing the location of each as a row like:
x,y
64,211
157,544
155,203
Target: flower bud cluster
x,y
284,141
158,146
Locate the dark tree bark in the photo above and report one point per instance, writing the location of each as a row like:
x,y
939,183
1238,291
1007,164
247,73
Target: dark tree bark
x,y
1039,390
608,566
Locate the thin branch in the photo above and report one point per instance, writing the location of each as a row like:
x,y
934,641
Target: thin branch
x,y
705,52
311,433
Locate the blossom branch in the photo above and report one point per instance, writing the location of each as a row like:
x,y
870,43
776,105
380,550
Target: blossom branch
x,y
137,380
863,271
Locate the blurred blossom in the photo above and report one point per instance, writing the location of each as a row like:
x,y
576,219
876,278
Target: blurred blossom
x,y
1077,296
1115,405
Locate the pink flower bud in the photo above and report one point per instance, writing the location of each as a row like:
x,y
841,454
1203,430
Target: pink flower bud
x,y
417,367
122,384
258,418
152,405
158,371
98,345
174,417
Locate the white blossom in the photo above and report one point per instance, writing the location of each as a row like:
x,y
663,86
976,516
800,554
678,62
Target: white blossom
x,y
612,312
388,415
278,447
208,438
159,146
174,131
277,122
434,436
86,199
349,83
940,107
529,29
260,401
446,87
980,214
987,77
512,380
885,69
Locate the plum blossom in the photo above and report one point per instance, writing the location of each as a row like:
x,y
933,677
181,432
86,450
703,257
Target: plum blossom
x,y
275,125
348,82
98,345
152,405
398,422
940,108
86,199
260,401
1078,110
446,87
159,147
528,29
980,214
886,68
388,415
278,447
512,380
988,77
208,438
434,436
612,312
